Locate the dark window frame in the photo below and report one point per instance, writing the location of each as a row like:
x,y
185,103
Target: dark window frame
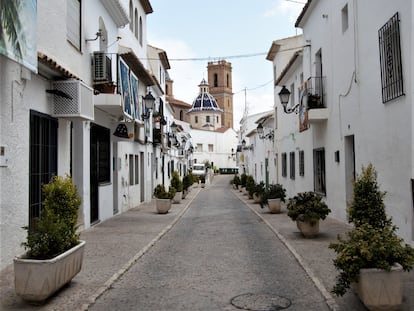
x,y
284,164
392,83
42,159
292,164
301,163
319,170
103,140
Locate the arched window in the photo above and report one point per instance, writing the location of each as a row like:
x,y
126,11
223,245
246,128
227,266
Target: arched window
x,y
140,30
228,80
181,115
131,16
215,80
136,24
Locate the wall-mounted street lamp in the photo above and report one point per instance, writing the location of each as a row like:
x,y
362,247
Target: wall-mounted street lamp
x,y
244,147
284,95
260,131
232,155
149,102
173,128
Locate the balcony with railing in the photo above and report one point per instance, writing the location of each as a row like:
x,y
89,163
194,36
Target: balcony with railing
x,y
316,102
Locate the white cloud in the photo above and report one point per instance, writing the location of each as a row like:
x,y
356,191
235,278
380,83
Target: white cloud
x,y
285,8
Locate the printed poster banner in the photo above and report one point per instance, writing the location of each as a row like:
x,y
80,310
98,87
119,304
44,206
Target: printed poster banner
x,y
18,31
125,88
135,97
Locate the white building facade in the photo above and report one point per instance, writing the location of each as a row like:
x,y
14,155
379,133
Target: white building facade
x,y
65,114
352,89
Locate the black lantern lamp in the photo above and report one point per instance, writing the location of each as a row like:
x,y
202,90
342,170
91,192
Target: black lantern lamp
x,y
284,95
260,130
173,127
149,102
243,143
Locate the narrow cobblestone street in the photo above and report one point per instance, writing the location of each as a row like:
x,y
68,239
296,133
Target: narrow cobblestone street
x,y
217,251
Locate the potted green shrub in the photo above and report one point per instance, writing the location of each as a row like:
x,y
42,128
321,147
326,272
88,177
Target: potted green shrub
x,y
243,180
258,190
372,257
272,197
250,185
54,252
178,186
307,209
163,198
236,181
187,182
203,181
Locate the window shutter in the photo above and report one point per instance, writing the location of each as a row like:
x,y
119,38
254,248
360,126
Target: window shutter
x,y
73,22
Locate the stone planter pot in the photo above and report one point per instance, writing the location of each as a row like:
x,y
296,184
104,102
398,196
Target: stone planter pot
x,y
184,194
274,205
36,280
308,230
162,205
380,289
178,197
203,185
257,198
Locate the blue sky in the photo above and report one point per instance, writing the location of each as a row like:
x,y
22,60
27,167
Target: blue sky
x,y
220,28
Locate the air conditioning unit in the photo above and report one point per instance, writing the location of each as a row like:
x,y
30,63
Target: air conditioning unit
x,y
73,99
101,67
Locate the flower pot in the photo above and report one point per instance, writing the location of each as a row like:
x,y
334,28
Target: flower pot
x,y
308,230
36,280
257,197
274,205
184,194
203,185
380,289
178,197
163,205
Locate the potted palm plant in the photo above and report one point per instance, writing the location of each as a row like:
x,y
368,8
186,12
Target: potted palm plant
x,y
54,252
372,258
178,186
307,209
163,198
272,197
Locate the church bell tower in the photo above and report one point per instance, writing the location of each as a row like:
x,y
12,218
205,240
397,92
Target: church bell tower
x,y
220,82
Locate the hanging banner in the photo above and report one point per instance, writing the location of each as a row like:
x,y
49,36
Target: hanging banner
x,y
135,97
18,32
125,88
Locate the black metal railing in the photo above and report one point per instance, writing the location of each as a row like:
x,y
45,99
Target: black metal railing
x,y
315,92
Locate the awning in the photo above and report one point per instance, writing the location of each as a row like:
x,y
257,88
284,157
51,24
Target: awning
x,y
52,69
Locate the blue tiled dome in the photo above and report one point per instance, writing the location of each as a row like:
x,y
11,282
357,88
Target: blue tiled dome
x,y
204,101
